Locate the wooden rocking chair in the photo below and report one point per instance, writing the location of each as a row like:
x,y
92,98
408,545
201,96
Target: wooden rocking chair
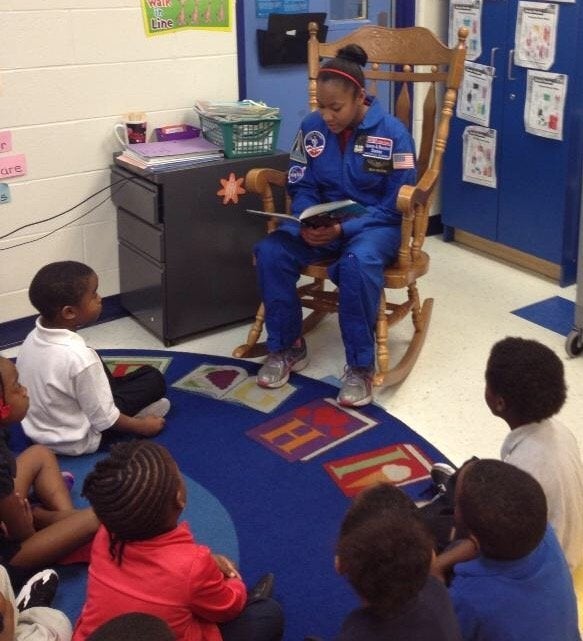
x,y
405,56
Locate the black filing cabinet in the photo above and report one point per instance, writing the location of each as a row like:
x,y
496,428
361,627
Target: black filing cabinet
x,y
185,251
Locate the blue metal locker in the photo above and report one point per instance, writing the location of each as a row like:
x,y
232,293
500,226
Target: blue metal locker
x,y
535,207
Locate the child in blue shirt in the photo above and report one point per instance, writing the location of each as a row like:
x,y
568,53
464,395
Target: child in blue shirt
x,y
384,551
518,586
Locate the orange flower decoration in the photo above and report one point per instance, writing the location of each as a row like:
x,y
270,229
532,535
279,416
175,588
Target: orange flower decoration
x,y
231,189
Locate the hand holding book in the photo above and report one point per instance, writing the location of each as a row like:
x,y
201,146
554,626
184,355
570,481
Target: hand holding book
x,y
322,215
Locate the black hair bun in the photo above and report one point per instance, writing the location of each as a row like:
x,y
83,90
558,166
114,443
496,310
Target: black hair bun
x,y
353,53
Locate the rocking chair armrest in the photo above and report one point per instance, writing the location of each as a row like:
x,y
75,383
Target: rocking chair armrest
x,y
413,202
259,180
410,196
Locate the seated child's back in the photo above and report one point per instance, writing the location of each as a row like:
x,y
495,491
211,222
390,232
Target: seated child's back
x,y
142,560
519,587
525,386
385,552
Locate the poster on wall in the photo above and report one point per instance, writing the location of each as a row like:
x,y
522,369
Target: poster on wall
x,y
264,7
479,156
536,34
169,16
475,94
466,13
544,107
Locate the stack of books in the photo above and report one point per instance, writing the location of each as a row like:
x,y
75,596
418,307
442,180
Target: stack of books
x,y
171,154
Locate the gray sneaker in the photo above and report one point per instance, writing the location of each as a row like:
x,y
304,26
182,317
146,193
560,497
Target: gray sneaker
x,y
356,389
278,365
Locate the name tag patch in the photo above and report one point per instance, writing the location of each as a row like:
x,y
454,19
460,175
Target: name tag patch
x,y
378,148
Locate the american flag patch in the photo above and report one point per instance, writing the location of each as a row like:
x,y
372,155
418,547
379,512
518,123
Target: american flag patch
x,y
403,161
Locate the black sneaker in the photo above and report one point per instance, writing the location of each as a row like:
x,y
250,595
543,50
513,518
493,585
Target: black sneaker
x,y
262,589
39,590
440,475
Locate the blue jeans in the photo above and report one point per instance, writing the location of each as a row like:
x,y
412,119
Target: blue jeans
x,y
357,271
261,620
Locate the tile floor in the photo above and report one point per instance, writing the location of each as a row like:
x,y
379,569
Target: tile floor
x,y
442,399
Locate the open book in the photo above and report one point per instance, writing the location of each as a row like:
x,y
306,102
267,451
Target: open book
x,y
322,215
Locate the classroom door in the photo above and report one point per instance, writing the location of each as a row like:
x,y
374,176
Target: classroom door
x,y
286,86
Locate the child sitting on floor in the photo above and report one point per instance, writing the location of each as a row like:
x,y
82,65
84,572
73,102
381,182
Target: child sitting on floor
x,y
73,397
33,537
525,386
143,560
518,587
385,552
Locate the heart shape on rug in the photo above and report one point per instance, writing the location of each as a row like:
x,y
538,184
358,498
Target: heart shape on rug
x,y
222,378
396,473
331,419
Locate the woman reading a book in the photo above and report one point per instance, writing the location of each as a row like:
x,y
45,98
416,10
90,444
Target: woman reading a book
x,y
348,149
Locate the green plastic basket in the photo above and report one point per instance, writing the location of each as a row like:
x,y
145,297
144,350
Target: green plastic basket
x,y
242,138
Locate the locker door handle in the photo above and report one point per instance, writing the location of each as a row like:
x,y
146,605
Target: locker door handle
x,y
493,51
509,67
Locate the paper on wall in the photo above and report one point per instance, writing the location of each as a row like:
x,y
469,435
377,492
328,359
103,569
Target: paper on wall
x,y
479,156
536,34
466,13
475,94
544,106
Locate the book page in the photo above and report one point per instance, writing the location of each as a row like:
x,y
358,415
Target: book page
x,y
350,206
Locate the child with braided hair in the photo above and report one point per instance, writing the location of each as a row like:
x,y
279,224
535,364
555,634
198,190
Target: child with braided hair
x,y
143,560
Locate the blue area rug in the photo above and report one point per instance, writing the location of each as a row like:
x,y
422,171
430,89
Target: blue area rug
x,y
253,505
555,313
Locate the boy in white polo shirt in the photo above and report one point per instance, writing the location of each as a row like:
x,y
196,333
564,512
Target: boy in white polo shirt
x,y
73,398
525,386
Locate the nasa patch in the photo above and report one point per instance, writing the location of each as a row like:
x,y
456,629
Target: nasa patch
x,y
295,174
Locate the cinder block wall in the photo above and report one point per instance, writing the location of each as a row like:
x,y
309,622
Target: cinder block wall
x,y
68,70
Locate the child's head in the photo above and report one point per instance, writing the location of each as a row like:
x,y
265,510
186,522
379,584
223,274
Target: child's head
x,y
137,492
384,550
525,381
134,626
13,396
502,507
65,293
374,500
340,88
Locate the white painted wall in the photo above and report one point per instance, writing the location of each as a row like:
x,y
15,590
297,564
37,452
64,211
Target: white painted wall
x,y
68,70
432,14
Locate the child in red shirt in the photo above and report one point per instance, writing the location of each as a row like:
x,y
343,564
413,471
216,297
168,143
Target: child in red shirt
x,y
143,560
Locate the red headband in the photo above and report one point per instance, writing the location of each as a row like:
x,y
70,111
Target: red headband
x,y
341,73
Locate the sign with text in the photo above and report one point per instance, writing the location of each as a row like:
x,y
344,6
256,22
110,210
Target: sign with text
x,y
168,16
5,141
4,194
12,166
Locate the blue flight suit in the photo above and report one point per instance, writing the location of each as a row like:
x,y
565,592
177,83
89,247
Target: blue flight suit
x,y
320,172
